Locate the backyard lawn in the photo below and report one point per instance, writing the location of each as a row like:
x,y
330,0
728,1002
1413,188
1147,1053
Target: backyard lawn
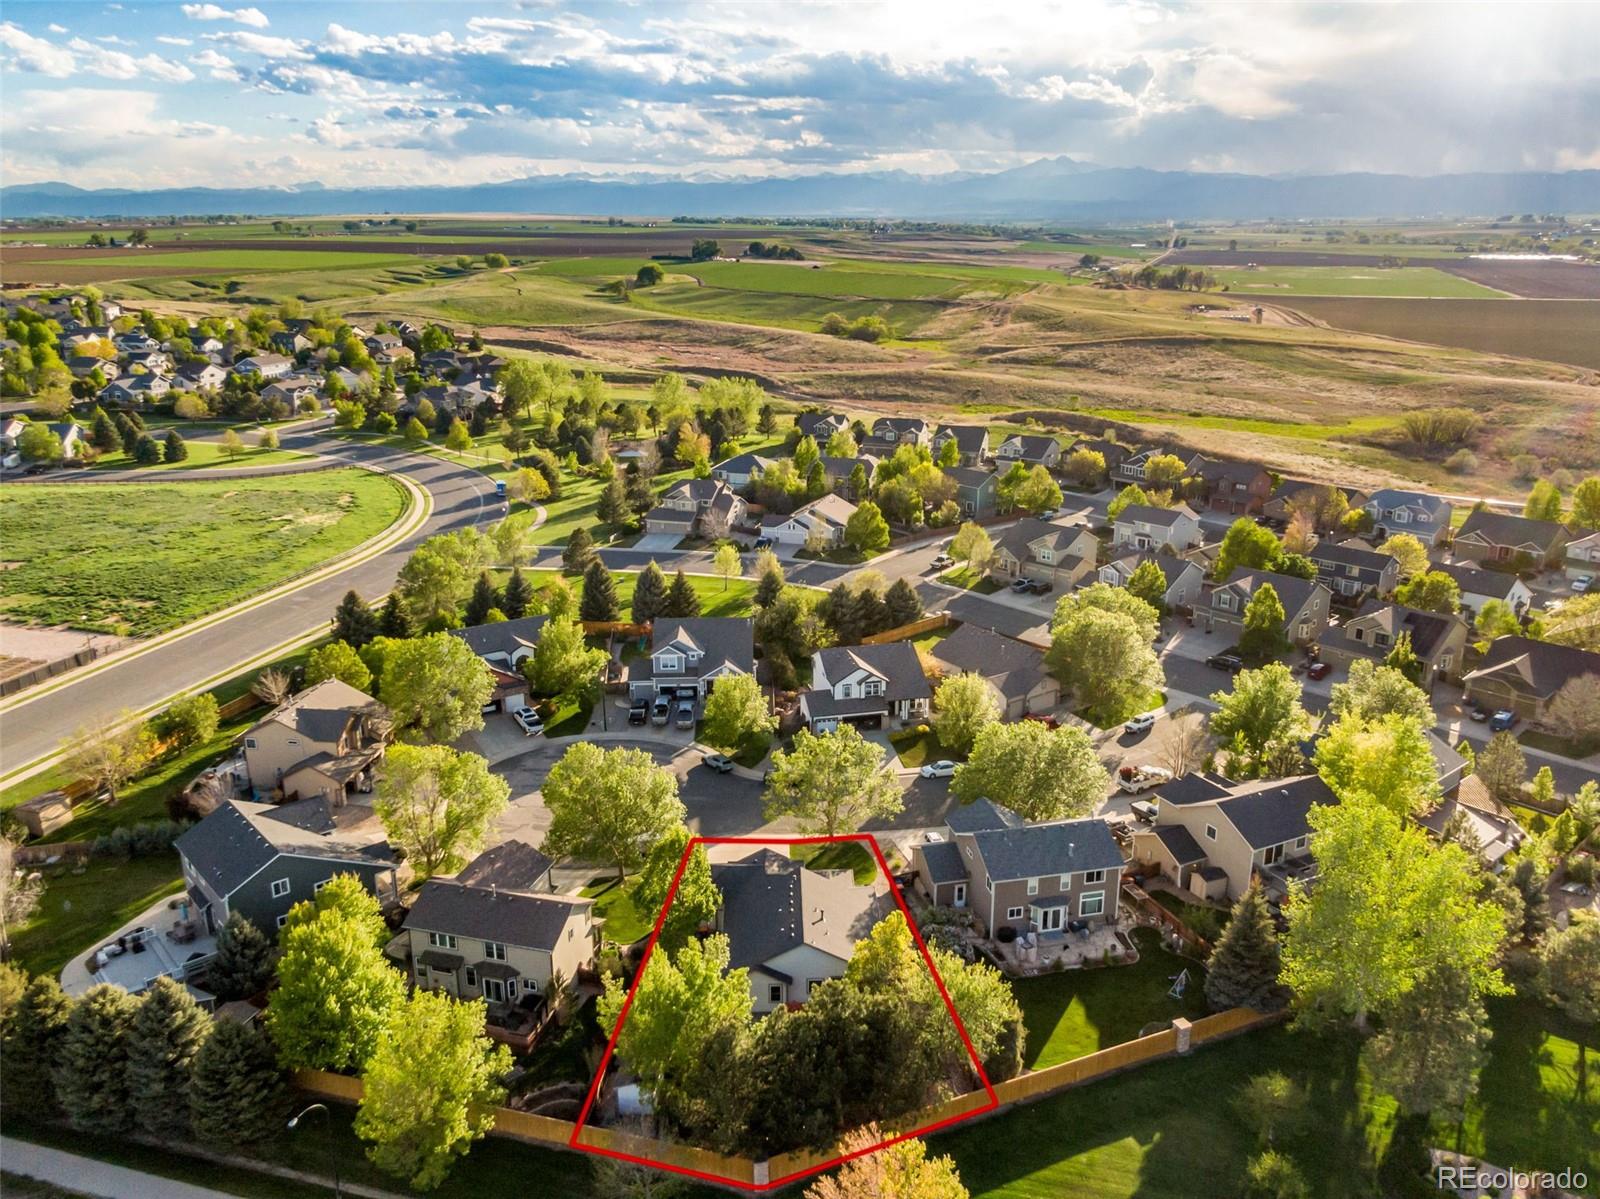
x,y
79,909
915,748
839,855
613,903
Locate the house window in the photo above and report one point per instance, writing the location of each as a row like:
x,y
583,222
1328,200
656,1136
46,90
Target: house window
x,y
1444,662
282,920
472,977
1065,883
960,897
1359,633
249,742
1273,855
318,887
1094,876
775,993
670,662
847,690
530,985
442,940
294,741
1092,904
1224,601
1013,913
1211,832
1033,886
872,687
494,951
1300,843
280,888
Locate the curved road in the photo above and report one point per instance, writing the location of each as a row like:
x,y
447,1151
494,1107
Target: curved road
x,y
462,498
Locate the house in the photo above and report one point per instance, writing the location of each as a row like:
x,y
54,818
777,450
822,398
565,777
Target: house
x,y
201,376
1033,878
1439,640
1115,455
867,685
977,491
1493,829
891,431
290,391
135,342
737,471
1287,495
1061,555
1425,517
1146,527
504,646
972,443
837,471
1238,488
1478,587
1523,675
134,390
1516,541
289,343
1184,579
70,435
157,362
708,507
384,343
789,926
1132,467
821,425
824,517
1583,556
691,655
1029,449
1354,570
1212,836
268,366
261,859
1305,604
1014,670
84,365
514,865
323,741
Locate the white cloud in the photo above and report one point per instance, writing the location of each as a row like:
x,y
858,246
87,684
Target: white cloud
x,y
56,28
35,53
114,64
219,65
253,17
262,44
168,40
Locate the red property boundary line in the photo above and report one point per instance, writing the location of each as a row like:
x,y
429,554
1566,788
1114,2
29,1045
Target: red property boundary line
x,y
611,1044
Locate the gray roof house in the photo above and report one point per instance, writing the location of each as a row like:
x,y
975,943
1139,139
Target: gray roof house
x,y
1478,587
741,468
692,654
891,431
1425,517
1524,675
972,442
1014,670
1351,569
708,507
1438,639
1031,449
867,684
1185,579
1146,527
977,490
1305,604
1062,555
821,425
1501,537
504,646
514,865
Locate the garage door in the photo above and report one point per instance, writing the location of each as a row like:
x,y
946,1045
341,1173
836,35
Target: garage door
x,y
826,725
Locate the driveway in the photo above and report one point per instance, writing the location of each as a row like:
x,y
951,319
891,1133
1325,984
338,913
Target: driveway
x,y
657,543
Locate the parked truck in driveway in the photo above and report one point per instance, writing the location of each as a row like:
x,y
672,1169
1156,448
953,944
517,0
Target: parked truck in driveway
x,y
1134,779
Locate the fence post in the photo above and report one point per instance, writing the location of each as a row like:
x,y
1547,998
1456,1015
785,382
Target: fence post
x,y
1182,1028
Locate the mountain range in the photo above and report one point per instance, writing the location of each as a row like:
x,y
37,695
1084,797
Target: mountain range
x,y
1043,190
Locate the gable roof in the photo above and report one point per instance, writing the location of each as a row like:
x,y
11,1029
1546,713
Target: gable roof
x,y
1031,445
1180,843
944,862
504,638
743,464
511,866
1539,668
1032,850
723,641
321,712
1327,553
233,843
980,815
1149,514
1195,787
490,914
1493,583
1503,528
1428,630
895,662
970,439
1293,591
1274,812
1172,567
1432,507
971,476
812,423
1014,667
772,904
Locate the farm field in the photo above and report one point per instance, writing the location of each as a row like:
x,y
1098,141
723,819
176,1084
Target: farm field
x,y
1425,282
236,259
138,558
1556,330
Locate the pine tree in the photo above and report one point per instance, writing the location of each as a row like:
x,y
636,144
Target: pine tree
x,y
104,436
871,612
128,432
682,600
354,622
901,604
599,600
394,622
844,615
236,1092
517,596
1243,970
167,1032
145,451
649,594
579,553
174,449
483,598
91,1069
31,1043
769,585
613,508
243,965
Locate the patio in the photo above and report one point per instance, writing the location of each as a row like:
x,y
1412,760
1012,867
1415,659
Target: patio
x,y
1045,953
168,938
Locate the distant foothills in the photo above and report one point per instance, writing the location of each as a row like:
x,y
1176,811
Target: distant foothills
x,y
1047,189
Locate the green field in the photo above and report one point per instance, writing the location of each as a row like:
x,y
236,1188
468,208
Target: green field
x,y
143,557
1424,282
80,908
247,260
204,455
1079,249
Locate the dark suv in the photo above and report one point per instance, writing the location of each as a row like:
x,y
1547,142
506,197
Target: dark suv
x,y
639,711
1232,663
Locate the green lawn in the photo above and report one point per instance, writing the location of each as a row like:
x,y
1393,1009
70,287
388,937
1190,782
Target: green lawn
x,y
143,557
79,909
969,579
839,855
1418,281
625,923
917,748
1076,1012
203,455
732,597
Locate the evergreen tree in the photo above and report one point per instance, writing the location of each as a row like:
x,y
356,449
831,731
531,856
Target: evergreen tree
x,y
844,615
146,452
354,622
517,596
104,436
393,621
174,449
91,1069
682,599
167,1032
243,965
579,553
872,613
1243,970
769,585
649,594
484,597
31,1043
613,508
236,1092
599,600
901,604
128,432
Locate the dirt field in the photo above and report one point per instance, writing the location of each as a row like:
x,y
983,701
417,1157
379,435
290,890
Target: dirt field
x,y
1555,330
1532,280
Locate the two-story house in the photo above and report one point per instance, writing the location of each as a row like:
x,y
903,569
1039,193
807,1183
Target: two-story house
x,y
1061,555
888,432
1239,488
1516,541
691,654
1522,675
838,471
737,471
972,443
504,646
867,685
134,390
1113,454
1478,587
1013,669
789,926
1293,493
268,366
1354,570
323,742
977,491
201,376
1185,580
823,519
1030,449
1583,557
1132,467
1305,604
821,425
703,507
1425,517
1438,639
1146,527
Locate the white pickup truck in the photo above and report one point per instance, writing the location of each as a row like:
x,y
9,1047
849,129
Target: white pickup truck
x,y
1134,779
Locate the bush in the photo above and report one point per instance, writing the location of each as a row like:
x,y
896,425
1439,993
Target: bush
x,y
1461,462
1271,1175
1581,869
137,840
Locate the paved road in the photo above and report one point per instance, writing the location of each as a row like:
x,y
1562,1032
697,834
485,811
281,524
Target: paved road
x,y
461,498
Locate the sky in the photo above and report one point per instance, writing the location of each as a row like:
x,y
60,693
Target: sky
x,y
363,94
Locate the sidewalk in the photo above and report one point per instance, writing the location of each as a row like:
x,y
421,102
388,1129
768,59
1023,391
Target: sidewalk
x,y
94,1177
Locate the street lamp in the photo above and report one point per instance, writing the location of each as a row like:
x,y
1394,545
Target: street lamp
x,y
294,1122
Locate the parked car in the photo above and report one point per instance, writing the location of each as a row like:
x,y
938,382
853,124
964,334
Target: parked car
x,y
1044,718
942,769
1021,586
764,543
1581,584
639,711
1502,720
943,562
1040,586
683,718
661,710
1318,670
721,763
1140,724
1134,779
1232,663
528,721
1478,713
1144,810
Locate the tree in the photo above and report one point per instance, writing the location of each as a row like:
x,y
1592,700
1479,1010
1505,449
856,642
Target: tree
x,y
103,434
649,594
963,705
1038,492
1544,502
562,664
902,1171
901,604
1570,973
529,486
1128,497
236,1091
579,552
683,601
432,585
243,965
1408,551
1271,1103
831,783
1085,467
516,597
1271,1175
354,622
146,452
91,1066
336,660
415,431
1586,503
1259,718
609,806
232,444
438,805
1432,1046
192,719
694,904
31,1037
173,448
20,894
1101,649
272,686
1389,908
1430,591
1404,659
972,545
107,755
1248,545
394,621
1149,583
726,564
599,602
1104,597
1262,636
1245,963
736,713
430,1087
335,989
1574,711
1373,691
485,596
435,687
613,508
1577,624
38,443
459,437
166,1034
1496,619
866,531
1502,768
1038,772
268,439
1387,760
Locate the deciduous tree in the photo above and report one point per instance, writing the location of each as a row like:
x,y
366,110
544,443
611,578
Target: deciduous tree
x,y
562,664
963,706
831,783
1101,648
1038,772
438,804
435,687
107,755
1128,497
191,719
1387,760
697,898
972,545
1246,544
1432,1046
1262,634
1502,767
1259,718
725,563
1570,973
336,660
1149,583
902,1171
1085,467
1408,551
866,531
1574,712
1430,591
736,711
609,806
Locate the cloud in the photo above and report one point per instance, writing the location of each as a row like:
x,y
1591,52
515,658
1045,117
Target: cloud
x,y
169,40
263,44
219,65
253,17
29,53
56,28
114,64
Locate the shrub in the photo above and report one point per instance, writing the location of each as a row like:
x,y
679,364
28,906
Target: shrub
x,y
1461,462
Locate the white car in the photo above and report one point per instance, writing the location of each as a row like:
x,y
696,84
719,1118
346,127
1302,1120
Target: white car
x,y
1582,584
943,562
528,721
1140,724
939,770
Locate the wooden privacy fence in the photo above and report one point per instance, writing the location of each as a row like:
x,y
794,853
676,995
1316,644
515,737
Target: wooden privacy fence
x,y
939,620
1155,913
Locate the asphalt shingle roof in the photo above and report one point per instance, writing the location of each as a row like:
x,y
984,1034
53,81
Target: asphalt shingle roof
x,y
980,815
1276,812
944,862
234,842
511,866
484,913
772,904
1039,849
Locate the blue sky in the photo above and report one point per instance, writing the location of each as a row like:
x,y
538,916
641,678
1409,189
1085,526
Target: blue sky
x,y
354,94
